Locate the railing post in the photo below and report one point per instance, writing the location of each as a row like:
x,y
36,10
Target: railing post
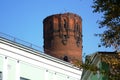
x,y
14,39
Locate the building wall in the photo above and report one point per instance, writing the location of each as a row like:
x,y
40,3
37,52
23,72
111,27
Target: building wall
x,y
96,59
89,75
63,36
19,61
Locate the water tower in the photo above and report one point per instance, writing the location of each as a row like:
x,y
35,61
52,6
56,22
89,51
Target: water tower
x,y
63,36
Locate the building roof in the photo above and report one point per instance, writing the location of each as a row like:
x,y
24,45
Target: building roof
x,y
101,53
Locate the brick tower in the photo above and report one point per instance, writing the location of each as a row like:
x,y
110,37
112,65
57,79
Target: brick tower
x,y
63,36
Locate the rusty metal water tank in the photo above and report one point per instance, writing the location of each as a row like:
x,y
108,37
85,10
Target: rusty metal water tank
x,y
63,36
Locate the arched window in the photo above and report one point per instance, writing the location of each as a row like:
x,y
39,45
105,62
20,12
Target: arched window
x,y
65,34
77,34
77,28
65,24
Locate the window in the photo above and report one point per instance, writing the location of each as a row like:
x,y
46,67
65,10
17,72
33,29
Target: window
x,y
65,24
64,39
22,78
0,75
77,28
66,59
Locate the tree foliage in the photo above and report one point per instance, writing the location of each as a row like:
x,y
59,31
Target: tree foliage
x,y
113,62
110,66
110,20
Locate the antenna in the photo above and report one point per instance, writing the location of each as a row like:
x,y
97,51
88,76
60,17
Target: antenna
x,y
65,10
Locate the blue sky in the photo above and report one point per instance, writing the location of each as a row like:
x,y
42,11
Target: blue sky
x,y
24,19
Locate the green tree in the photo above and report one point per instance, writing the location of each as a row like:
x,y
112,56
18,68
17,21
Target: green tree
x,y
110,20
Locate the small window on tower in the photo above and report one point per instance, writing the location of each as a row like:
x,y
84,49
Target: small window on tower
x,y
66,59
65,24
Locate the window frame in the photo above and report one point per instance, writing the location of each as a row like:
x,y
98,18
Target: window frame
x,y
1,75
23,78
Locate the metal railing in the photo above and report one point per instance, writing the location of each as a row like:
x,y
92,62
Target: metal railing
x,y
22,42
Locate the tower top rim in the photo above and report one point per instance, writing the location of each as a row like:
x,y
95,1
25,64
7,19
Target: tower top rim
x,y
61,14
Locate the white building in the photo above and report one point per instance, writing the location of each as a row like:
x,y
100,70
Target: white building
x,y
21,62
